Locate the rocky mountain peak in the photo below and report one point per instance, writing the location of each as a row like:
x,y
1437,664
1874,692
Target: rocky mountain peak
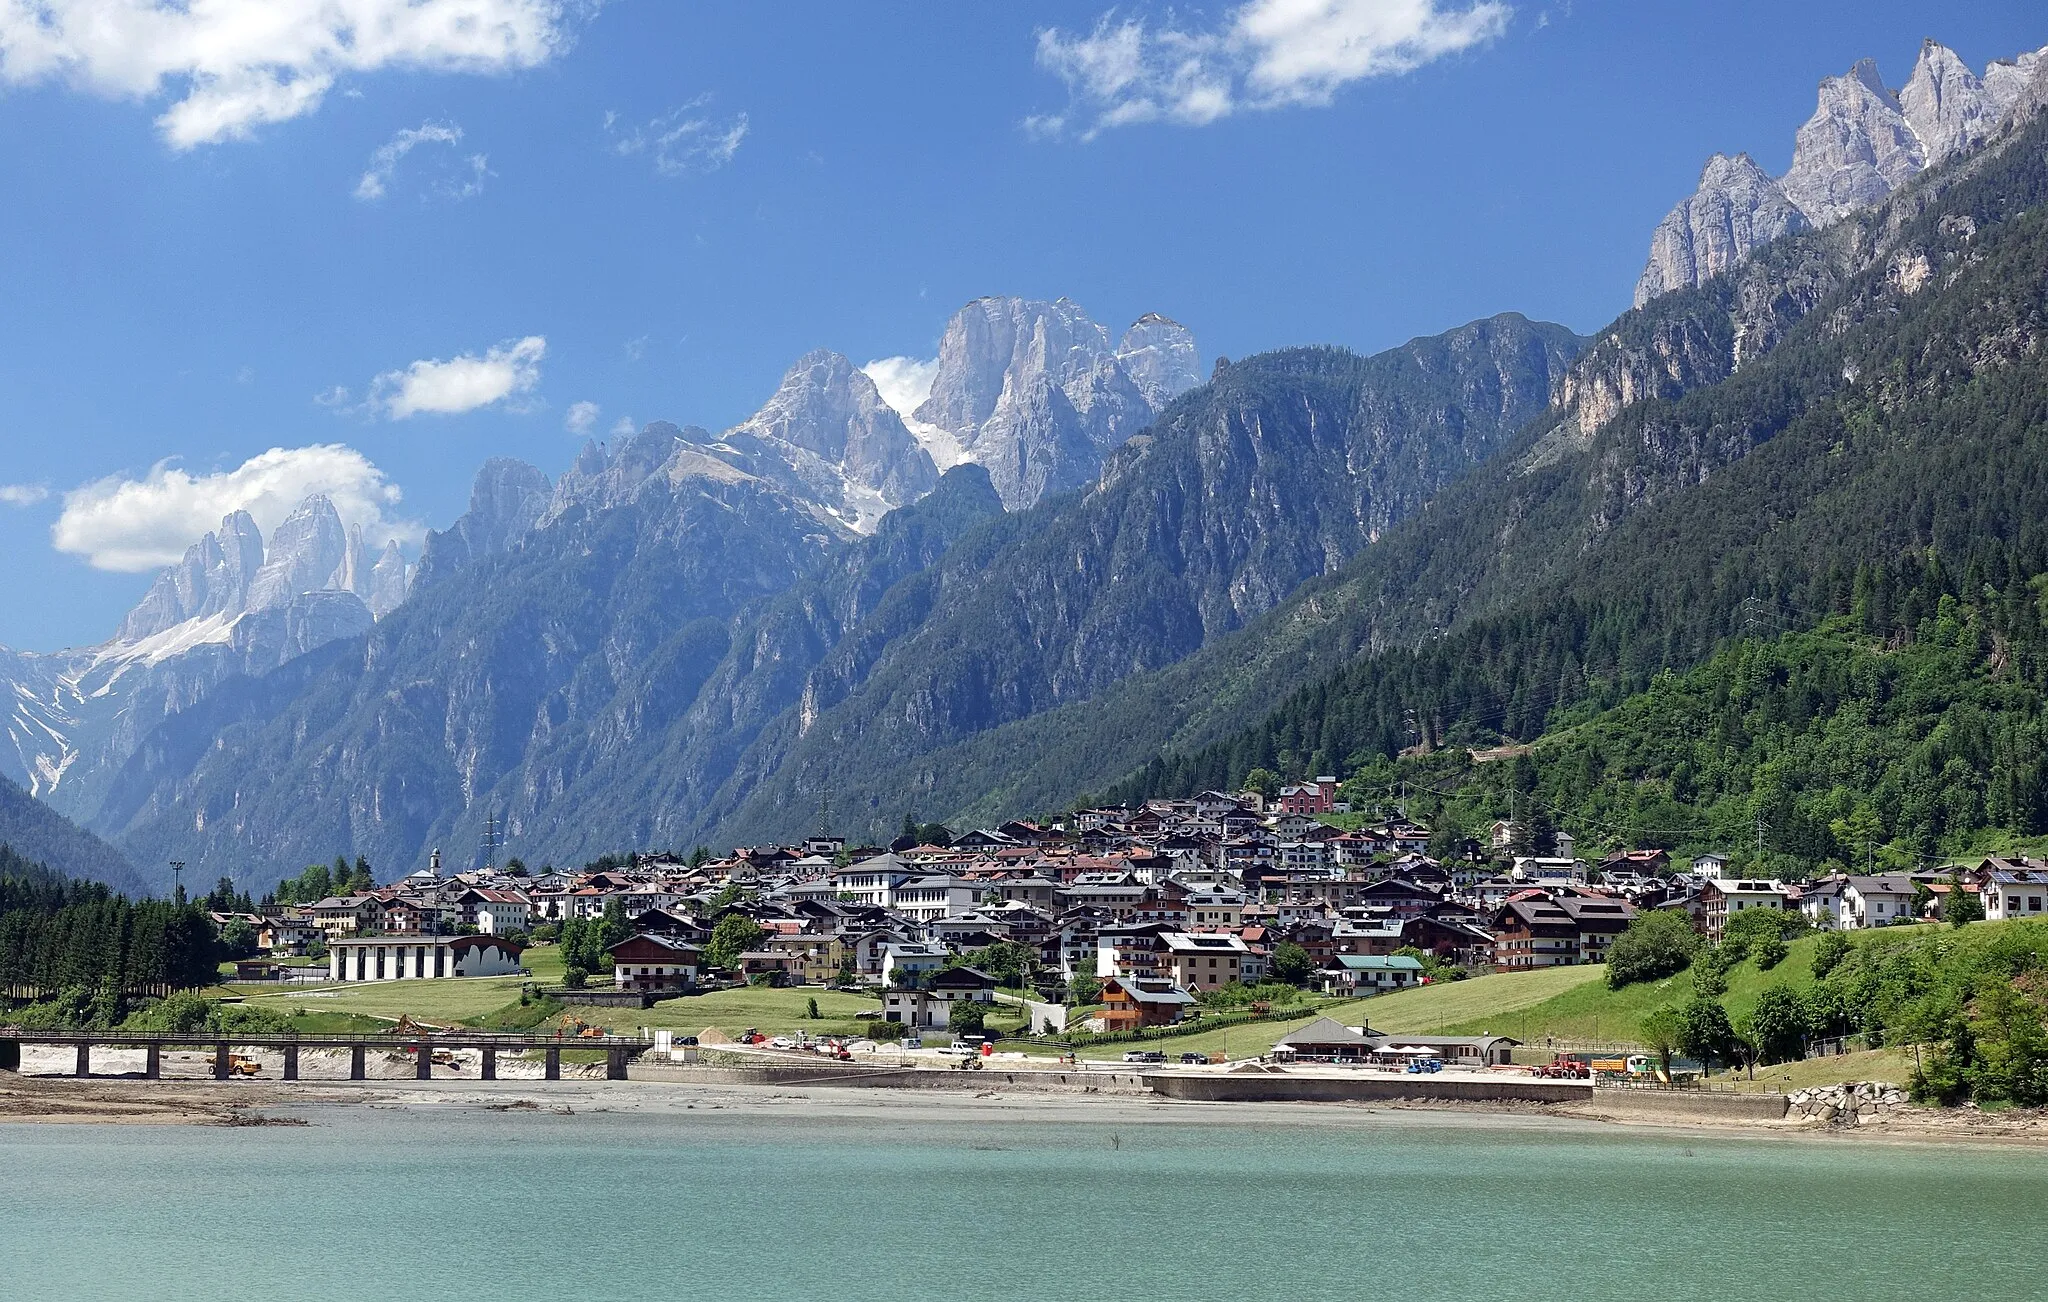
x,y
1036,393
1737,209
1946,104
843,446
506,501
1854,151
308,553
1863,142
1160,356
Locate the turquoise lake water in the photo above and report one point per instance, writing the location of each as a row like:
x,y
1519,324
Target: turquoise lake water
x,y
375,1205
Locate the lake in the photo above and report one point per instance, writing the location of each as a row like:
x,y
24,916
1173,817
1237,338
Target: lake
x,y
374,1204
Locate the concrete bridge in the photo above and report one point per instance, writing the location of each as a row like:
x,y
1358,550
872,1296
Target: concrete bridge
x,y
618,1049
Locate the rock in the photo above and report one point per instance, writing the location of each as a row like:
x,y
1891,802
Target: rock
x,y
1855,150
1160,356
1034,392
1946,104
1736,210
827,433
1862,144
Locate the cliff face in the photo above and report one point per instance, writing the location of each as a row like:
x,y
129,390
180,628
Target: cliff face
x,y
1863,144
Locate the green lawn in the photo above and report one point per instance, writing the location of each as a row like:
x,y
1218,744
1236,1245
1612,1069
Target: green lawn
x,y
769,1010
439,1001
1478,1004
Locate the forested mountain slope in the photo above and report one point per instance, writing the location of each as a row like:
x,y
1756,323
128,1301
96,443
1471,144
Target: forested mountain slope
x,y
35,832
1901,423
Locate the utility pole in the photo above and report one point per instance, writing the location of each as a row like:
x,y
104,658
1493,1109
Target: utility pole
x,y
178,880
490,842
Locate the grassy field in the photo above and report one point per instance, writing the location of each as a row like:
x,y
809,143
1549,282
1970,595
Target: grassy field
x,y
1894,1065
441,1001
768,1010
1484,1004
1246,1040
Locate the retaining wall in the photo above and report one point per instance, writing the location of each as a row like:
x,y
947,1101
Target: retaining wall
x,y
1255,1087
1684,1105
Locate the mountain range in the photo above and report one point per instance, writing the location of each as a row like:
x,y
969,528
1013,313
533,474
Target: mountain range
x,y
1864,142
1075,565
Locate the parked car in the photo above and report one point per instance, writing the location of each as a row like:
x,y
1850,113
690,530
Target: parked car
x,y
1196,1059
1145,1055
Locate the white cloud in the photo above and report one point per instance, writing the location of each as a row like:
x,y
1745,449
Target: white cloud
x,y
624,427
23,494
904,382
462,180
130,525
683,140
582,417
1266,54
231,66
459,384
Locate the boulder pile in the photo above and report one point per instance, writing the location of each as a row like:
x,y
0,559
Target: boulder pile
x,y
1861,1104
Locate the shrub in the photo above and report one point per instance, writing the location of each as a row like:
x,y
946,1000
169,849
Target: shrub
x,y
1769,951
967,1017
575,978
1291,964
886,1032
1828,953
1780,1022
1656,945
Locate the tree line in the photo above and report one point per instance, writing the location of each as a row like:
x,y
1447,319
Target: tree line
x,y
57,933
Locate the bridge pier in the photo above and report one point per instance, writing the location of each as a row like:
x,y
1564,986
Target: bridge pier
x,y
615,1064
10,1055
490,1068
291,1062
357,1055
84,1067
220,1061
153,1062
424,1068
554,1068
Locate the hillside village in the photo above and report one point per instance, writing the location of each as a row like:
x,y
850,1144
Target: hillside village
x,y
1147,912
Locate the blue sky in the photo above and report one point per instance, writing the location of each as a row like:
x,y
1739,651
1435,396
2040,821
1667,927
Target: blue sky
x,y
654,207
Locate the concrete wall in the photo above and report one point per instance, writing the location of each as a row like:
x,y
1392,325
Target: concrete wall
x,y
1684,1105
1261,1087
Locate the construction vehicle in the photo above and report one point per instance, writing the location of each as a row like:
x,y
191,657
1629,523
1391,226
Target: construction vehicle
x,y
240,1066
1563,1067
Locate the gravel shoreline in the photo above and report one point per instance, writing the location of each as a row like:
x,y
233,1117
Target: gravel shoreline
x,y
186,1101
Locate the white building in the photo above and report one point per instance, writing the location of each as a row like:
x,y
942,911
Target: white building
x,y
397,958
1725,898
910,958
938,895
1848,903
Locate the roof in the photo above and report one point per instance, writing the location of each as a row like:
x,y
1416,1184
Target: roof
x,y
668,943
1149,990
1217,942
1322,1031
1379,963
